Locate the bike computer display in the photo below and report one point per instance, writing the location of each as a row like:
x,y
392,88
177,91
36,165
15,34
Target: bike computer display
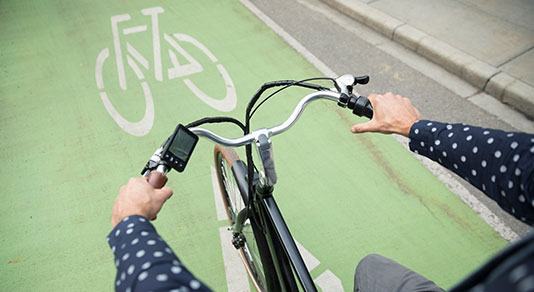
x,y
179,148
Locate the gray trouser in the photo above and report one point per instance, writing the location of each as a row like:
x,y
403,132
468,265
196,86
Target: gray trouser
x,y
376,273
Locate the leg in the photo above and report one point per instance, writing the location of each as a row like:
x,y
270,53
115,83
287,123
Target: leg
x,y
376,273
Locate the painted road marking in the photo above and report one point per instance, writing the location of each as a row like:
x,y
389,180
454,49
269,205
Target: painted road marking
x,y
135,29
186,38
85,124
138,57
310,261
140,128
154,11
450,182
228,103
289,39
102,56
135,68
236,274
329,282
235,269
176,70
181,70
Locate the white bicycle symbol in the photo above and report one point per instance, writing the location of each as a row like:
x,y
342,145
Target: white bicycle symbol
x,y
177,70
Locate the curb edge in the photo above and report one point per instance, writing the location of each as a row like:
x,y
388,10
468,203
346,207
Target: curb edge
x,y
501,85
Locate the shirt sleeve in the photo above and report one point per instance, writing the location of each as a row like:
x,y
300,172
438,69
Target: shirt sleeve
x,y
144,261
499,163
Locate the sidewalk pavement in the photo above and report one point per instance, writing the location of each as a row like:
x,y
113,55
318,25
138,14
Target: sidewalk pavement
x,y
488,43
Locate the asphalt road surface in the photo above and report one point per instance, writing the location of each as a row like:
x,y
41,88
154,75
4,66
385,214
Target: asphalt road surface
x,y
346,46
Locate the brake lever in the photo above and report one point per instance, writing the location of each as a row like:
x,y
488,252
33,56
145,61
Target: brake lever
x,y
156,169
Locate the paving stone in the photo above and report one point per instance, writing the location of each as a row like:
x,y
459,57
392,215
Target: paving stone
x,y
353,9
515,11
522,67
368,15
485,37
435,50
487,43
498,83
409,36
456,62
478,73
521,96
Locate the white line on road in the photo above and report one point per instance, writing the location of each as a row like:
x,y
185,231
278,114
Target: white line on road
x,y
289,39
137,55
134,29
310,261
329,282
236,274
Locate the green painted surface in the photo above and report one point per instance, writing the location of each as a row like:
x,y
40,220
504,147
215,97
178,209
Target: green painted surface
x,y
63,157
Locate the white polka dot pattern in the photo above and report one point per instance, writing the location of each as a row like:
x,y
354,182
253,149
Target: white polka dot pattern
x,y
499,163
144,261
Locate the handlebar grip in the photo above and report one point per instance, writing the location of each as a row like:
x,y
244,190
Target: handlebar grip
x,y
157,179
361,106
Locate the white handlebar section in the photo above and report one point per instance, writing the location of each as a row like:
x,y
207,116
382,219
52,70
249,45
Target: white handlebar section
x,y
248,139
221,140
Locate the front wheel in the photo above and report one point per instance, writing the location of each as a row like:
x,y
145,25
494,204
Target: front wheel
x,y
234,202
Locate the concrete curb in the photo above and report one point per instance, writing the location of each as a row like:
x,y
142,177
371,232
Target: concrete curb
x,y
483,76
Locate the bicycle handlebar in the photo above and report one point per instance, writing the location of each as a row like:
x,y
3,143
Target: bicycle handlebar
x,y
360,105
342,94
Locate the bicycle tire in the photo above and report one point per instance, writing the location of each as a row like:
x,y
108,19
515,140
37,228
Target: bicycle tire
x,y
234,202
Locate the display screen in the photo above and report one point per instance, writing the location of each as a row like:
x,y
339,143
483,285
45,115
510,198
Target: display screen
x,y
183,145
177,152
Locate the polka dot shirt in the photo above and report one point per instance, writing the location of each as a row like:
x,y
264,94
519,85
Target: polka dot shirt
x,y
144,261
499,163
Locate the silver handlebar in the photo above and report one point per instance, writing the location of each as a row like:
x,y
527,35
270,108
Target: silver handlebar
x,y
252,137
344,88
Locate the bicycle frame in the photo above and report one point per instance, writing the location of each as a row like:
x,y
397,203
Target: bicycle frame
x,y
263,206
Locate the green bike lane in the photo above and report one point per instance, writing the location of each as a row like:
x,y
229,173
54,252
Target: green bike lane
x,y
64,156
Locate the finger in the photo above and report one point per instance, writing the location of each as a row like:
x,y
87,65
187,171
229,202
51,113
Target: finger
x,y
167,192
364,127
164,193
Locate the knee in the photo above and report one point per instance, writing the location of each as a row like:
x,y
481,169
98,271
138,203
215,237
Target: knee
x,y
370,260
372,264
365,272
367,263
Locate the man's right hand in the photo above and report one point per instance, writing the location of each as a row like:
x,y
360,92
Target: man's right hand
x,y
138,197
392,114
